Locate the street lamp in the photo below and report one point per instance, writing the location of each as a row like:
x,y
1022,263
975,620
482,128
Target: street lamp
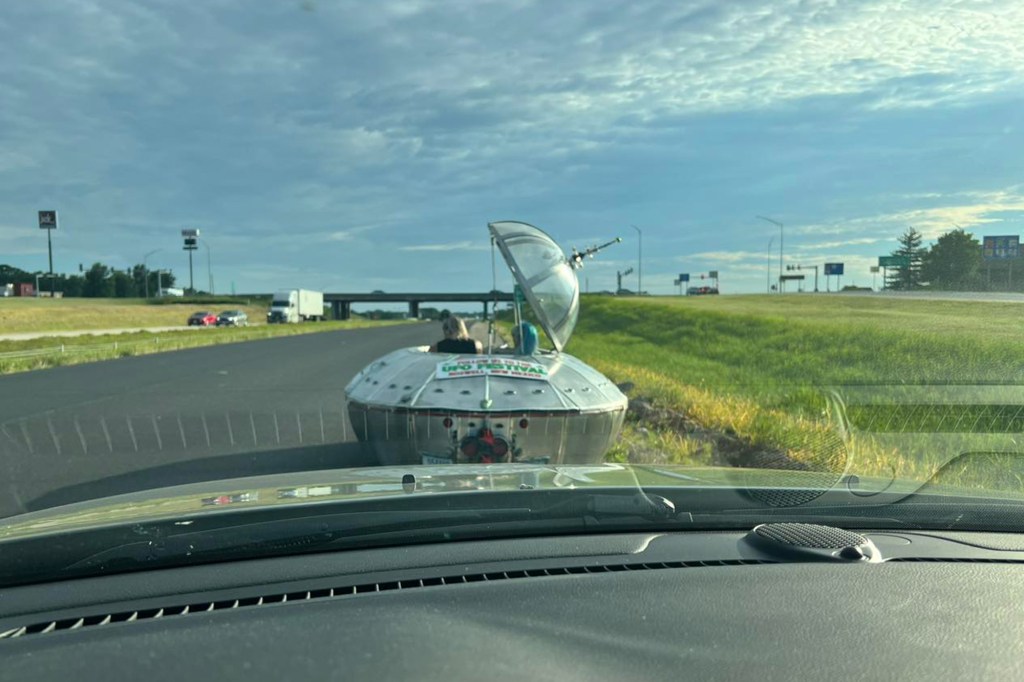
x,y
145,270
209,271
768,278
781,237
639,261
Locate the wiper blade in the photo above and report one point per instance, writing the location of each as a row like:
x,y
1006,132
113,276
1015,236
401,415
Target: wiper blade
x,y
599,506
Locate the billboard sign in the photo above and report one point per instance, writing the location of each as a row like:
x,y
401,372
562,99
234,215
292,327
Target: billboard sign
x,y
894,261
190,233
47,220
1001,246
833,269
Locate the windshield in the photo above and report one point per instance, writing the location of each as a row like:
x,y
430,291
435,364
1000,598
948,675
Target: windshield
x,y
769,248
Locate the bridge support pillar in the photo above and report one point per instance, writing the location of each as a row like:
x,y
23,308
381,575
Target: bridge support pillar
x,y
414,310
341,310
485,310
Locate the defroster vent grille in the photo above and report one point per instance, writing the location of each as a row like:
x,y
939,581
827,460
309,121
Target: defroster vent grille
x,y
75,623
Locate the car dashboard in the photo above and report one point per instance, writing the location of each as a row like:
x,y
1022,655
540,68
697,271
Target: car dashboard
x,y
710,605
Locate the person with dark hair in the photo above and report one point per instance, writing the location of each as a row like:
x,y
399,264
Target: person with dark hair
x,y
456,339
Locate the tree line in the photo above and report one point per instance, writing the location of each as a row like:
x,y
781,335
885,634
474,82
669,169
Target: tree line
x,y
953,263
98,281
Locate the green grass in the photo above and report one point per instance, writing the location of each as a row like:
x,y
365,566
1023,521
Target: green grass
x,y
755,366
81,349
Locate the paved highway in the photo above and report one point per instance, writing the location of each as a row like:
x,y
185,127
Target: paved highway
x,y
73,433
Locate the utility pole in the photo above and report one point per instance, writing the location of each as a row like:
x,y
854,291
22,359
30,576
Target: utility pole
x,y
145,270
781,238
768,282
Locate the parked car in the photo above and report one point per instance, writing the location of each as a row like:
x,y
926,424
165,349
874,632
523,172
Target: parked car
x,y
233,318
202,319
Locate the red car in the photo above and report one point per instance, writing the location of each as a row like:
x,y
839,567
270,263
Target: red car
x,y
202,319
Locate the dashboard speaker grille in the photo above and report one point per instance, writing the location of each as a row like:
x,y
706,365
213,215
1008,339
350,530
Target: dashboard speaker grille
x,y
809,535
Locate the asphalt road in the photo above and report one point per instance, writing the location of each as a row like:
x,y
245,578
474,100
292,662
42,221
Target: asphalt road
x,y
84,431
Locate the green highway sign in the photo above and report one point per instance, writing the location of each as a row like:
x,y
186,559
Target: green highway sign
x,y
894,261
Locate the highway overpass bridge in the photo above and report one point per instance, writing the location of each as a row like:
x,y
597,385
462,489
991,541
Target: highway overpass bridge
x,y
341,304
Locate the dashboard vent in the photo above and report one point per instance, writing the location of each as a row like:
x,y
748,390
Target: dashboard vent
x,y
44,627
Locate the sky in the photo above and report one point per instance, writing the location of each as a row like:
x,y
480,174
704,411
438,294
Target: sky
x,y
354,146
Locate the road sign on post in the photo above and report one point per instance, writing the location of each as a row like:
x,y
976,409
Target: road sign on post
x,y
834,269
1000,247
190,236
684,277
894,261
48,222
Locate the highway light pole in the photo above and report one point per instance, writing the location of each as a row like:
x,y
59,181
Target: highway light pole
x,y
145,270
781,238
209,270
768,279
639,261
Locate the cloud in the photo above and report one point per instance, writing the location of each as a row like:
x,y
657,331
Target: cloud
x,y
853,241
455,246
725,256
970,210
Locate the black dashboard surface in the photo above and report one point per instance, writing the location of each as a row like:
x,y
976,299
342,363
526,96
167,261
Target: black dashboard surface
x,y
622,609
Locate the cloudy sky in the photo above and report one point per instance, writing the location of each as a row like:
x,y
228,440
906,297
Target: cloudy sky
x,y
352,146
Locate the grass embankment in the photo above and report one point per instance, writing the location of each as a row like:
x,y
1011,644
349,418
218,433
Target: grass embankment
x,y
81,349
73,314
753,366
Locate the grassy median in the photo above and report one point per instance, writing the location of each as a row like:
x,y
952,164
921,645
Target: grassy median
x,y
757,367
